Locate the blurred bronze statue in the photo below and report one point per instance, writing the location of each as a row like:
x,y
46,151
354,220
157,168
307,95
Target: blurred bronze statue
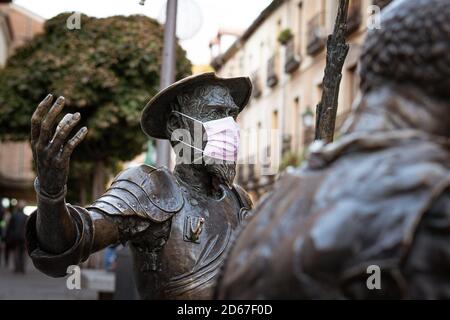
x,y
179,224
378,199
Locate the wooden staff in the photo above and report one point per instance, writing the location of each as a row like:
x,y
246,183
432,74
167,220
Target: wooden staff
x,y
337,50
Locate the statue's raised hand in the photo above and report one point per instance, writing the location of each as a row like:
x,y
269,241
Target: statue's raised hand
x,y
52,148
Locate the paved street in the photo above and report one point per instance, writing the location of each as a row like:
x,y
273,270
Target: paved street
x,y
36,286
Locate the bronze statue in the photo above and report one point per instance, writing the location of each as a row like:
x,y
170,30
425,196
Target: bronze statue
x,y
178,224
377,198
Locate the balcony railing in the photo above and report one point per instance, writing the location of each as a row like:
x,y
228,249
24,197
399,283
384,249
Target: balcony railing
x,y
316,34
240,174
293,60
354,16
251,176
257,90
272,77
286,143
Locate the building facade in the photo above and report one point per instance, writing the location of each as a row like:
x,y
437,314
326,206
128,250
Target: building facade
x,y
284,53
5,38
17,26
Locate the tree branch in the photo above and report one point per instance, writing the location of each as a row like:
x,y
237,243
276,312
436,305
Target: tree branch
x,y
337,50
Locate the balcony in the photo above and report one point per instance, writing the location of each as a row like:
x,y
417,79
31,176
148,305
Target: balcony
x,y
240,174
251,176
286,143
272,77
354,16
293,60
316,34
257,90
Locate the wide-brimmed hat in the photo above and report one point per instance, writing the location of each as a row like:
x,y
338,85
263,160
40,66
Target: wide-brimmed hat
x,y
156,112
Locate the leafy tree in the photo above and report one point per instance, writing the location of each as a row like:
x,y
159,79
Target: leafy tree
x,y
107,71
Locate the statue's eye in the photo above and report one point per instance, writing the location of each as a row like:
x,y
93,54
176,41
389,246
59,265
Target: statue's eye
x,y
215,112
212,113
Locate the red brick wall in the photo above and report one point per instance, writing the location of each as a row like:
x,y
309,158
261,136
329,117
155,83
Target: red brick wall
x,y
24,26
16,161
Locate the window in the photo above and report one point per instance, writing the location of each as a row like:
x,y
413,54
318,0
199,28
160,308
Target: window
x,y
261,53
275,120
241,64
299,28
279,29
331,9
319,90
295,122
353,84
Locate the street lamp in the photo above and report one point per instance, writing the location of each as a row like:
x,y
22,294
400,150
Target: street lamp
x,y
167,71
308,118
308,123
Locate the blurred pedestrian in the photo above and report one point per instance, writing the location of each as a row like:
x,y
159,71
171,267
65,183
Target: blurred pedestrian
x,y
110,258
5,248
2,227
15,236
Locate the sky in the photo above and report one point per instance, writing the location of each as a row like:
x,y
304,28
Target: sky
x,y
198,20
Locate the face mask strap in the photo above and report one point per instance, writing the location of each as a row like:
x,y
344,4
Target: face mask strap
x,y
185,143
185,115
189,145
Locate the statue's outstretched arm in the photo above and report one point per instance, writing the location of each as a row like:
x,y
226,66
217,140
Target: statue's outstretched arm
x,y
60,234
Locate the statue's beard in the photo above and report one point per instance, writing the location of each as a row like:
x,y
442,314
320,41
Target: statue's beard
x,y
224,173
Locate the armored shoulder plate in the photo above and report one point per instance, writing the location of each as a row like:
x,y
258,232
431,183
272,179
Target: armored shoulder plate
x,y
142,191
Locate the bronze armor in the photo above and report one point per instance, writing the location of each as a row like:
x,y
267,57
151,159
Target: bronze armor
x,y
178,242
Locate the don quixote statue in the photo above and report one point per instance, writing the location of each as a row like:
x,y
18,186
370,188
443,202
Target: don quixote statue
x,y
178,224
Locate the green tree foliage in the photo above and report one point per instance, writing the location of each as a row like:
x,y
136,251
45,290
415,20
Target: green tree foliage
x,y
107,71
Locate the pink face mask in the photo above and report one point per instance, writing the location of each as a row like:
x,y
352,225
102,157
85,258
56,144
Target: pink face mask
x,y
222,138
